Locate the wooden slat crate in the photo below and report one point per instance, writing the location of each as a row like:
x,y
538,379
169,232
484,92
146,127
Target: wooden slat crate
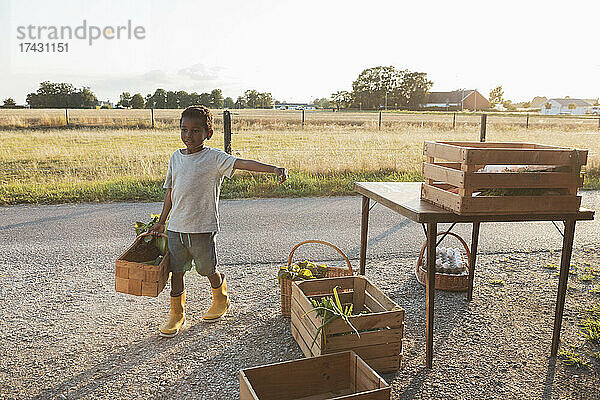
x,y
451,177
334,376
133,277
381,328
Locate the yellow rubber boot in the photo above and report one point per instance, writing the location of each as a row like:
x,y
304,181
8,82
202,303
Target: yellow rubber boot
x,y
220,303
177,319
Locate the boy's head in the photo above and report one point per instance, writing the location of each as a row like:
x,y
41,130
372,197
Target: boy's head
x,y
196,125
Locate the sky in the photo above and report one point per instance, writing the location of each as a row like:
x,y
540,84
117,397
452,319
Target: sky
x,y
300,50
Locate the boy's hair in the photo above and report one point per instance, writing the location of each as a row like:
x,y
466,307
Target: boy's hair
x,y
203,114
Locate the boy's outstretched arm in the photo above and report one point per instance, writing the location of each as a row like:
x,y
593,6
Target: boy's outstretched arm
x,y
255,166
159,227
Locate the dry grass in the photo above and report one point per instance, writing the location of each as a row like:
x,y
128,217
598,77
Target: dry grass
x,y
36,158
76,155
289,119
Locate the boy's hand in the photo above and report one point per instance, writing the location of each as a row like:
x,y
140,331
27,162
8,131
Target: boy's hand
x,y
281,173
157,229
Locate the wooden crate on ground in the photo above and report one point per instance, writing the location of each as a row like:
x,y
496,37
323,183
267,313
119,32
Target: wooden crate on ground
x,y
381,328
134,277
452,177
334,376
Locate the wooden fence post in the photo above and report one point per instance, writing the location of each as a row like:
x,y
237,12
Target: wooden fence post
x,y
152,116
483,127
379,120
453,120
598,123
527,123
67,116
302,118
227,131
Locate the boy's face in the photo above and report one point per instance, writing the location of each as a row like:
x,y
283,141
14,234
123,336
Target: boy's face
x,y
193,133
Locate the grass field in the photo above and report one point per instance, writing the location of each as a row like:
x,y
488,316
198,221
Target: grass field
x,y
267,119
325,158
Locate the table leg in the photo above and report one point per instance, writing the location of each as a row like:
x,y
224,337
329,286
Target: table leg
x,y
565,262
473,259
430,291
364,227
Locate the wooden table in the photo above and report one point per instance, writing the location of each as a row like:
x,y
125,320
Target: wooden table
x,y
404,198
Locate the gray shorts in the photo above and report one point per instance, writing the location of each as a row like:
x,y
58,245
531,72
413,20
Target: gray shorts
x,y
183,247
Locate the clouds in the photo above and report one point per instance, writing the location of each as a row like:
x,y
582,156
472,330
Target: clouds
x,y
194,78
200,73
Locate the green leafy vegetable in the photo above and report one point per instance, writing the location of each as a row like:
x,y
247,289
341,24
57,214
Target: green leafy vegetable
x,y
160,242
302,271
330,309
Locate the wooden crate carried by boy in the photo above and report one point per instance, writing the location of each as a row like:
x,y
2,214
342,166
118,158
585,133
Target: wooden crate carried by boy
x,y
143,269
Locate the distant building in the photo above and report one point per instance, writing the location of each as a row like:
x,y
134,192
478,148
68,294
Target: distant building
x,y
565,106
102,103
538,101
294,106
458,100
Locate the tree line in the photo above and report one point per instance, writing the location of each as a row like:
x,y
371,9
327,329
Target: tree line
x,y
374,88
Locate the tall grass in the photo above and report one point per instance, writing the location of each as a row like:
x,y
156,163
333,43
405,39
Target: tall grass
x,y
58,165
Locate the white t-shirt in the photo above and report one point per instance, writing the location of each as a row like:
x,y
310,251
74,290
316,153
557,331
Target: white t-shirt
x,y
195,181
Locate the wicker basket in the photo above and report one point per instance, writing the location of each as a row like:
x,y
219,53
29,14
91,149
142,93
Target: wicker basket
x,y
133,277
286,284
450,282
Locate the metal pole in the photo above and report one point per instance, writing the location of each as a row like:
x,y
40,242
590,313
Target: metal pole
x,y
483,127
67,116
527,123
379,120
453,120
152,116
302,118
227,131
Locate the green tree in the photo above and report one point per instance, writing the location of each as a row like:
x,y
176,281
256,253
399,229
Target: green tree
x,y
193,98
157,100
412,91
216,98
496,96
342,99
9,103
252,98
240,102
374,85
204,99
137,101
172,100
124,100
228,102
265,100
61,95
52,95
322,103
85,98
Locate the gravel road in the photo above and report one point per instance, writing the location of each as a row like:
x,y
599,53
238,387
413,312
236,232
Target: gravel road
x,y
66,334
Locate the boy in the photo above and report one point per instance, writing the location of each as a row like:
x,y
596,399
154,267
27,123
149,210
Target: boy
x,y
192,186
